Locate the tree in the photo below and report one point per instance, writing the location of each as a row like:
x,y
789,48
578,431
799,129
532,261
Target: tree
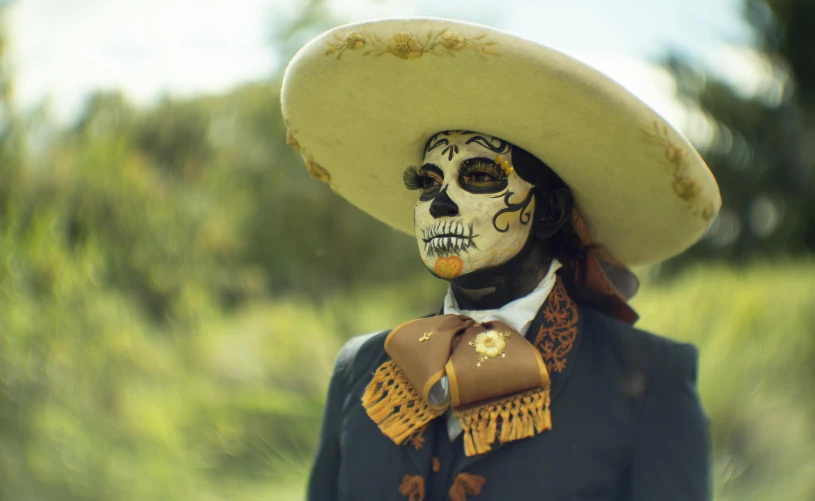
x,y
10,140
764,145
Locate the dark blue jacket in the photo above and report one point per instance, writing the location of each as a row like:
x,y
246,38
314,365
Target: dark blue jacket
x,y
627,424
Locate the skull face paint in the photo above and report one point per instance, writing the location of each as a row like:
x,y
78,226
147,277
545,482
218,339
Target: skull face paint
x,y
473,212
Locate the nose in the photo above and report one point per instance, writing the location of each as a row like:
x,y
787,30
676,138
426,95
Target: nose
x,y
443,206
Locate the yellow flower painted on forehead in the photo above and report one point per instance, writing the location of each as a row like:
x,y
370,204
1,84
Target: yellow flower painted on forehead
x,y
504,164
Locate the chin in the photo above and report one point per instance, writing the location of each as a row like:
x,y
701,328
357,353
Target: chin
x,y
475,272
479,277
455,268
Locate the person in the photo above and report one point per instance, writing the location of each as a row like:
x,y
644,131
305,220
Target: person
x,y
532,184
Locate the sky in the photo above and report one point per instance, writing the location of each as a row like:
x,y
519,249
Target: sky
x,y
61,50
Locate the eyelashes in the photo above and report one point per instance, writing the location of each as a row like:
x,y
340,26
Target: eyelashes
x,y
483,166
412,178
427,178
417,178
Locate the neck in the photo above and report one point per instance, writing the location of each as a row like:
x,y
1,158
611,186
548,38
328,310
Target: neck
x,y
494,287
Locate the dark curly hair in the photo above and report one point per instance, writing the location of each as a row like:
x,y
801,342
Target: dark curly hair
x,y
564,245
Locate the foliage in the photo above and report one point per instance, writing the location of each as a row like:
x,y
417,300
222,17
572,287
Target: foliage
x,y
754,329
220,191
762,148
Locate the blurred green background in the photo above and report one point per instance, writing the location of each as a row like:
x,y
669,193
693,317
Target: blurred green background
x,y
174,288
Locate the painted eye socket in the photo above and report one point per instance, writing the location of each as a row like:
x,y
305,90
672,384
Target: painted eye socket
x,y
482,176
427,178
429,183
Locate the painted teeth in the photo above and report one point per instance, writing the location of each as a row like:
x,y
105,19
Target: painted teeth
x,y
447,245
447,238
448,228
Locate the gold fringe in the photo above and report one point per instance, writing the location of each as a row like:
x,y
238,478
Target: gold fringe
x,y
520,416
394,405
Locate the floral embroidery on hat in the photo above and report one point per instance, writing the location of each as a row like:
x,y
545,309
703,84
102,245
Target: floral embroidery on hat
x,y
317,172
686,188
406,45
314,169
291,141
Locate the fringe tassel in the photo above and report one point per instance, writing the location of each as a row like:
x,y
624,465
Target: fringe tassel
x,y
520,416
394,405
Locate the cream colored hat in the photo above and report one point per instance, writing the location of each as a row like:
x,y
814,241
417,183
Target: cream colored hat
x,y
360,101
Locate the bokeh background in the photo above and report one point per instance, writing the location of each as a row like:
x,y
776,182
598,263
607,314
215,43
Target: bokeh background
x,y
174,288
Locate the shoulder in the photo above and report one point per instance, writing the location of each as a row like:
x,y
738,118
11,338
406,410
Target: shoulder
x,y
362,354
639,352
670,454
359,353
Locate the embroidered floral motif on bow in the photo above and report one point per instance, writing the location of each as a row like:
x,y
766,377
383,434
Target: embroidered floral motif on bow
x,y
405,45
490,344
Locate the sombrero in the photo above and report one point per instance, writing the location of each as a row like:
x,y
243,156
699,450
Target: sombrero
x,y
360,101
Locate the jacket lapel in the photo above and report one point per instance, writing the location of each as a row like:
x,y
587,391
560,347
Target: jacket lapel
x,y
555,332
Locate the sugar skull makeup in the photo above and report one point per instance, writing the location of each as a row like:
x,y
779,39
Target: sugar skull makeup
x,y
474,211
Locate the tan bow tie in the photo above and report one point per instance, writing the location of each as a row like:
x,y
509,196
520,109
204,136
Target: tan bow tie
x,y
498,382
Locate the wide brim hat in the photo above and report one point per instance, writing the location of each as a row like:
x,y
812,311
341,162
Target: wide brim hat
x,y
360,101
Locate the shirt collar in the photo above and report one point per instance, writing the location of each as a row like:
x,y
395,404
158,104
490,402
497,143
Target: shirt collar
x,y
519,313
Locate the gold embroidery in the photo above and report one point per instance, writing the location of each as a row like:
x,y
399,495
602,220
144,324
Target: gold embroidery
x,y
406,45
686,188
317,172
426,336
354,40
489,344
412,487
709,212
465,485
453,41
436,465
314,169
291,141
416,438
558,333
